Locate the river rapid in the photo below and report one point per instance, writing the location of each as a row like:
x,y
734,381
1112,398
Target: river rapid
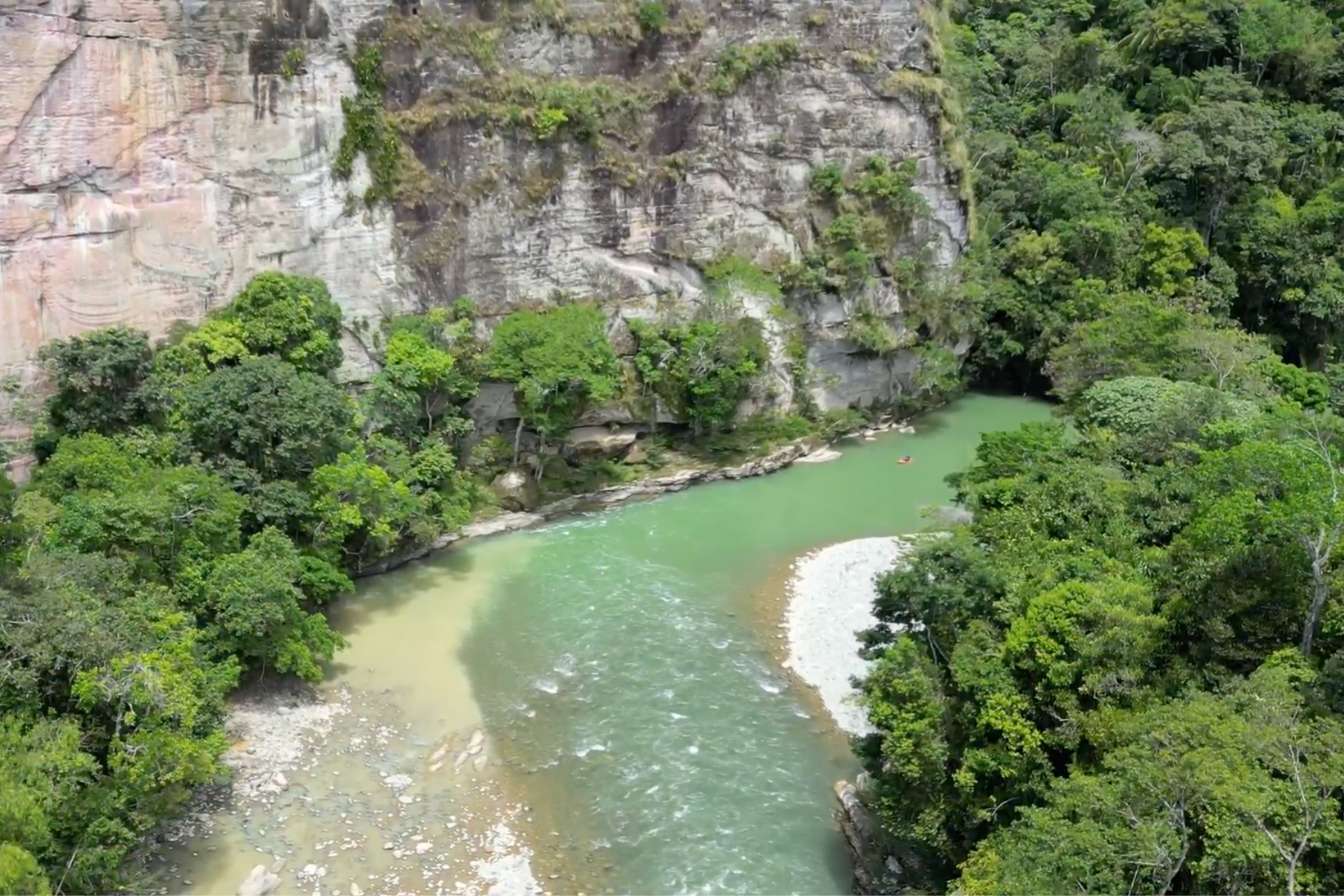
x,y
594,706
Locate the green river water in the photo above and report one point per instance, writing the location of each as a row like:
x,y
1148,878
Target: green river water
x,y
624,667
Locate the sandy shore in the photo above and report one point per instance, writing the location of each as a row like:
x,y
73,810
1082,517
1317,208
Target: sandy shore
x,y
830,599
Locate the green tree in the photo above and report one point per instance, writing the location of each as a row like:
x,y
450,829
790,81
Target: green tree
x,y
20,873
100,380
69,612
282,315
45,772
1204,794
560,362
289,316
1272,497
703,370
362,511
255,609
95,497
268,416
422,384
160,709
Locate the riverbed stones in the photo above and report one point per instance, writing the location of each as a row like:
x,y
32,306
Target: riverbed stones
x,y
275,784
830,598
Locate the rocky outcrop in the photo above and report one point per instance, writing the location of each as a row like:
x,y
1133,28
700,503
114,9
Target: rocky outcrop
x,y
670,178
876,868
601,441
862,837
881,864
154,154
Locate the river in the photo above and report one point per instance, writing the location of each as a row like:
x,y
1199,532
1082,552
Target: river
x,y
636,730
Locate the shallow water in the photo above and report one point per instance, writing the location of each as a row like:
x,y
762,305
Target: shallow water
x,y
630,693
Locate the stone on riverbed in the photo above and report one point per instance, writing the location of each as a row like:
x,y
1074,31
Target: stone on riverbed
x,y
258,882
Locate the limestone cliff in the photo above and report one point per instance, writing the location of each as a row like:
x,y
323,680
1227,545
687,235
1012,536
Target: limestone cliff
x,y
156,153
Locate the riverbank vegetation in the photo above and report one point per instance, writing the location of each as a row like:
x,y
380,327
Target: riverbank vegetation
x,y
196,505
1125,674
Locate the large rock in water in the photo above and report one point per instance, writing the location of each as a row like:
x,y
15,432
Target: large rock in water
x,y
258,882
154,154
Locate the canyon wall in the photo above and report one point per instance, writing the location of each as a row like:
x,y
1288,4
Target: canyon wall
x,y
153,156
156,153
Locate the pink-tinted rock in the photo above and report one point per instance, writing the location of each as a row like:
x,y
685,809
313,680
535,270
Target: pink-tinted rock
x,y
153,158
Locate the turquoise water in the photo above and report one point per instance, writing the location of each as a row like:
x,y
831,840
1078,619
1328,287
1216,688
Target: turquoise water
x,y
621,670
622,665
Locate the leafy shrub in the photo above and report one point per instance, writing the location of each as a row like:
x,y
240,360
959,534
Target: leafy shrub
x,y
652,17
734,270
739,63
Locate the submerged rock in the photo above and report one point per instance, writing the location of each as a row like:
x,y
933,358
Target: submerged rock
x,y
258,882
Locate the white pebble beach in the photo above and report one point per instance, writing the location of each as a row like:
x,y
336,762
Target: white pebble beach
x,y
830,600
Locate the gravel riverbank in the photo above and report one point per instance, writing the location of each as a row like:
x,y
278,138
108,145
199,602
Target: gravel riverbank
x,y
830,599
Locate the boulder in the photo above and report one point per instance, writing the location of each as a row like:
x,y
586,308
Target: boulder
x,y
516,490
636,454
258,882
599,441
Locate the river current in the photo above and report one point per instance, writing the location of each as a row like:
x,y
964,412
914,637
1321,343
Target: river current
x,y
622,668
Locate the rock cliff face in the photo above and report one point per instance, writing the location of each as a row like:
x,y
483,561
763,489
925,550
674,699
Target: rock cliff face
x,y
153,156
156,153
